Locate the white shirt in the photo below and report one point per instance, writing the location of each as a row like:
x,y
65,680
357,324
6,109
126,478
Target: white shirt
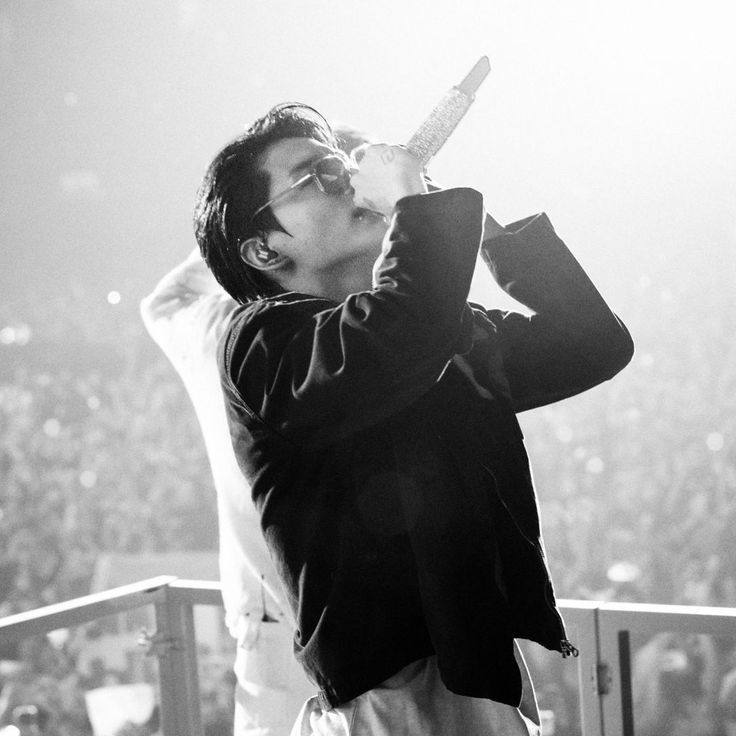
x,y
186,314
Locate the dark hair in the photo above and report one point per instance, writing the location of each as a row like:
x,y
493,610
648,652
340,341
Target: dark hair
x,y
233,188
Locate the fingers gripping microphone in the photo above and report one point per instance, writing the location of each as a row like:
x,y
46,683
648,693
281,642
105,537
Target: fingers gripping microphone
x,y
440,123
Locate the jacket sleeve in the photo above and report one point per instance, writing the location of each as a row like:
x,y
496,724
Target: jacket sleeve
x,y
315,371
571,342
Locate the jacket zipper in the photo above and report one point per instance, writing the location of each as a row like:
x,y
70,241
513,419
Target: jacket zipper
x,y
566,647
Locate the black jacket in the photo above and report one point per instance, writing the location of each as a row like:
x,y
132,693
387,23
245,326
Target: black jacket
x,y
381,442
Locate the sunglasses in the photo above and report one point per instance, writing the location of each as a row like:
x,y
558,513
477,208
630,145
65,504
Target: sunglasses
x,y
331,174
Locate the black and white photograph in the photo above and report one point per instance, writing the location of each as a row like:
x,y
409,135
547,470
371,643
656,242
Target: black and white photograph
x,y
367,368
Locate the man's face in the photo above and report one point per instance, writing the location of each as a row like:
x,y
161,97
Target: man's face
x,y
325,231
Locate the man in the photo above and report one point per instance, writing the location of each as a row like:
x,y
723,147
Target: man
x,y
186,314
373,412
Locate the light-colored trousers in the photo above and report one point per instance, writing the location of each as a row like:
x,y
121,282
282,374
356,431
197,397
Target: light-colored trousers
x,y
415,702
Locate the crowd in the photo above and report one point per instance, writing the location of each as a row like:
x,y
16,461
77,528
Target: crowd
x,y
101,452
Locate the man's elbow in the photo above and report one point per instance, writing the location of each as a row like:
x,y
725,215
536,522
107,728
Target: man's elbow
x,y
158,305
617,349
148,309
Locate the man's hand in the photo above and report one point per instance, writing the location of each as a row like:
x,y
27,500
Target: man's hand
x,y
385,175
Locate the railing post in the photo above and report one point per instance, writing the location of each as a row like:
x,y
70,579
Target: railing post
x,y
582,623
174,644
627,699
612,702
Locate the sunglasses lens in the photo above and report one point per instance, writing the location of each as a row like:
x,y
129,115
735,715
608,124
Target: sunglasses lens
x,y
332,175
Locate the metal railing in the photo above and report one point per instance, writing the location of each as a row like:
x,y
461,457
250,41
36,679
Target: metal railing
x,y
174,642
602,632
615,624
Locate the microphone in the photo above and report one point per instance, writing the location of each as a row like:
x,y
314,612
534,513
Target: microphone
x,y
449,111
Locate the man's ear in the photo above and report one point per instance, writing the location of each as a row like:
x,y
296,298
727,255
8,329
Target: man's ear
x,y
257,254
